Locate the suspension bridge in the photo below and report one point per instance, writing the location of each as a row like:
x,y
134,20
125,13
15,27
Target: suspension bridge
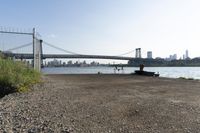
x,y
37,54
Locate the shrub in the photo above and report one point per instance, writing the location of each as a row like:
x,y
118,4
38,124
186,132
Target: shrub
x,y
16,76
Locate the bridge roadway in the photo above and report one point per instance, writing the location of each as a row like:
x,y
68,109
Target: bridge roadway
x,y
46,56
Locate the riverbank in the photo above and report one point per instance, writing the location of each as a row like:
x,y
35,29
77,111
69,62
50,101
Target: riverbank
x,y
104,103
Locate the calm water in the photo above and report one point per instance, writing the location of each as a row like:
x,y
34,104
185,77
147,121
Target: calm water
x,y
172,72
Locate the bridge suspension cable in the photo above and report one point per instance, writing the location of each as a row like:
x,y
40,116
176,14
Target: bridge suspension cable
x,y
127,53
58,48
22,46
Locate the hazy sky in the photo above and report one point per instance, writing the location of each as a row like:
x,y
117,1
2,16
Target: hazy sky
x,y
110,27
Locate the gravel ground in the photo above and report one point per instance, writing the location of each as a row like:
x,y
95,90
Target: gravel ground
x,y
104,104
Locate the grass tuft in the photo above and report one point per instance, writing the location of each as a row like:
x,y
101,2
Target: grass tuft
x,y
16,77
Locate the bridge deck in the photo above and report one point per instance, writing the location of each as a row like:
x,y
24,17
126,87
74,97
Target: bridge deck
x,y
46,56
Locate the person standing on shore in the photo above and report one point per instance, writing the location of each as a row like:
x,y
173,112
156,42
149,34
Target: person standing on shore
x,y
141,67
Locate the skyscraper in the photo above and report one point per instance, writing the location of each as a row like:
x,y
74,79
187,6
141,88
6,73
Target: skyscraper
x,y
186,54
149,54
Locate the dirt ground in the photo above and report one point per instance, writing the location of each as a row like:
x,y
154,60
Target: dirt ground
x,y
104,104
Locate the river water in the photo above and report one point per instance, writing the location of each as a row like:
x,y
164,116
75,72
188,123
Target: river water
x,y
172,72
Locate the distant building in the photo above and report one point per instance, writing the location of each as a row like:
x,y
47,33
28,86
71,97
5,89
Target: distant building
x,y
183,57
172,57
149,54
186,54
69,62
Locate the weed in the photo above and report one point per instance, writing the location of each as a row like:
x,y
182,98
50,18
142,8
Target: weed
x,y
16,76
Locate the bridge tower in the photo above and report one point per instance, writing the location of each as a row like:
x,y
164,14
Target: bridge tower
x,y
37,52
138,53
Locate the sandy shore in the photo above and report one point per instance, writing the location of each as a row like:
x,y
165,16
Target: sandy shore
x,y
104,104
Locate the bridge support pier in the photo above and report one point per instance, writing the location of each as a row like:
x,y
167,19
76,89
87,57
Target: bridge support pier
x,y
36,52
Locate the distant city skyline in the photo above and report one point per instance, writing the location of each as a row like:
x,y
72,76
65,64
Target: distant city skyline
x,y
111,27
